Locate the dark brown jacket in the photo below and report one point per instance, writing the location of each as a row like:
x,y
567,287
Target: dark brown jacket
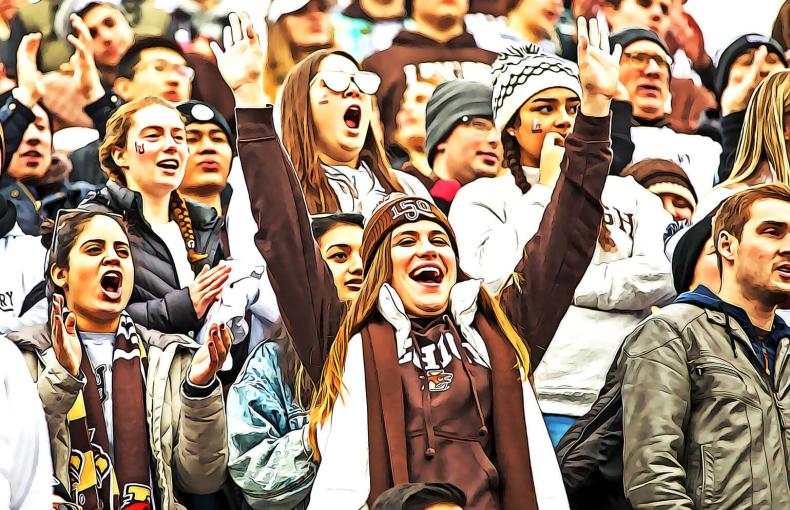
x,y
558,256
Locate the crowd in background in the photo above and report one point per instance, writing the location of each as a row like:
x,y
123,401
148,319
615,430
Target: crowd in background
x,y
394,254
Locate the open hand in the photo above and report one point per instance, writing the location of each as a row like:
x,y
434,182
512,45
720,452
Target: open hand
x,y
65,341
207,287
86,75
735,97
599,67
211,355
241,62
30,87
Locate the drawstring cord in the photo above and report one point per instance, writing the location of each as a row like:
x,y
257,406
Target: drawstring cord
x,y
465,363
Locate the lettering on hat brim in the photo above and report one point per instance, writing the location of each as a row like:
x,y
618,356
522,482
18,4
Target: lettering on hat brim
x,y
411,209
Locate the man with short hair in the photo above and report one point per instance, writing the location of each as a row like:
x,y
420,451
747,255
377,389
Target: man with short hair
x,y
462,142
438,46
705,380
645,74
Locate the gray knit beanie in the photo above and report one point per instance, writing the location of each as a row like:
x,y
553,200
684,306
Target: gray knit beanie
x,y
449,104
522,71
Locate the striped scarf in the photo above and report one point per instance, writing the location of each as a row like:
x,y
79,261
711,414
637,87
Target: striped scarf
x,y
95,481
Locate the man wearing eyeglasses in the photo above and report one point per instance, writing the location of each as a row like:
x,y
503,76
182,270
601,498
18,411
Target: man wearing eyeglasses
x,y
645,72
462,143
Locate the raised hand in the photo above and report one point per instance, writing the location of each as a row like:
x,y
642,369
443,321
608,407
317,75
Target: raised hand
x,y
550,158
735,97
65,341
241,62
211,355
599,67
86,75
207,287
30,88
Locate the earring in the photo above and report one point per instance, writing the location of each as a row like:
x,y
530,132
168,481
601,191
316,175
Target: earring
x,y
511,132
536,127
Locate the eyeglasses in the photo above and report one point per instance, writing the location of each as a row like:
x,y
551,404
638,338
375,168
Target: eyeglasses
x,y
163,66
478,123
339,81
641,61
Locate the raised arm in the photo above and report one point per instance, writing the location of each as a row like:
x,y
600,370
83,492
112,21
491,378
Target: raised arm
x,y
557,256
310,308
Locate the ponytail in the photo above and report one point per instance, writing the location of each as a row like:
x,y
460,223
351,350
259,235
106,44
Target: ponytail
x,y
180,214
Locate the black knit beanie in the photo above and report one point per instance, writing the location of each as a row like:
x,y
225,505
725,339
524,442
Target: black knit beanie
x,y
7,216
736,48
450,103
687,251
203,113
628,36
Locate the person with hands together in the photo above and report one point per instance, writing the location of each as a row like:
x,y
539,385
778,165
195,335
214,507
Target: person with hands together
x,y
551,121
108,384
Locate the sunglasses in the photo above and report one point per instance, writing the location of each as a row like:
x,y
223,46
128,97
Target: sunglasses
x,y
339,81
67,215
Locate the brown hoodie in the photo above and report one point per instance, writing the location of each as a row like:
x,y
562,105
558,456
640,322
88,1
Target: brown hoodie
x,y
558,258
412,55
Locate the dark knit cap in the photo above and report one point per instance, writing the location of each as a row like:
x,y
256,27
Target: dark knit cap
x,y
198,112
736,48
413,496
396,212
628,36
661,176
687,251
449,104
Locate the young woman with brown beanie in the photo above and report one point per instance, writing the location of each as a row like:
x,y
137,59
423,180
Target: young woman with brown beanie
x,y
424,375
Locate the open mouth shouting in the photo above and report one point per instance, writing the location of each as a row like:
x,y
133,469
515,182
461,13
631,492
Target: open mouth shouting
x,y
169,165
353,117
111,284
429,274
354,284
784,270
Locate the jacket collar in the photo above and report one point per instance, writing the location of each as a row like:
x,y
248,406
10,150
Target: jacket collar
x,y
463,308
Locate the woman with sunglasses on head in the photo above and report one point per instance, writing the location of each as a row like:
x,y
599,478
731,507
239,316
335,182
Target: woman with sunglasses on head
x,y
175,241
628,273
337,153
423,375
134,415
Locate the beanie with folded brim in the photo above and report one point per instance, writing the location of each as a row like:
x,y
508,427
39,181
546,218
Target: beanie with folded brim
x,y
661,176
198,112
687,251
522,71
737,48
395,212
451,103
628,36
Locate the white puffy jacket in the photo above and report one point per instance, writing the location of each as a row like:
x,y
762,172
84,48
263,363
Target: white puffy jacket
x,y
22,258
493,221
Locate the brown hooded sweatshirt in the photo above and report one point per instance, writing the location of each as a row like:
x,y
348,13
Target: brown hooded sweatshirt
x,y
398,432
414,55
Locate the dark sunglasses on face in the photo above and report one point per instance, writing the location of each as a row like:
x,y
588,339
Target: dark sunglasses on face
x,y
339,81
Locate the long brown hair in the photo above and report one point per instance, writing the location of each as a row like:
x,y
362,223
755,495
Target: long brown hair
x,y
116,137
299,139
362,307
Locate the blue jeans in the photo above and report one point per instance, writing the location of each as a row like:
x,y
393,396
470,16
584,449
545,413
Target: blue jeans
x,y
558,425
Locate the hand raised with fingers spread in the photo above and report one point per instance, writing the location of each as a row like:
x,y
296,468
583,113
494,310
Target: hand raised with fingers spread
x,y
207,287
241,62
85,73
599,67
735,97
65,341
211,355
30,87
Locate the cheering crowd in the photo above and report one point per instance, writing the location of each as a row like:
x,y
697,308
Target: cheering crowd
x,y
394,255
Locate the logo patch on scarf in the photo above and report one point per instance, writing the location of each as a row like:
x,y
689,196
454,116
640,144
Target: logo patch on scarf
x,y
439,380
136,497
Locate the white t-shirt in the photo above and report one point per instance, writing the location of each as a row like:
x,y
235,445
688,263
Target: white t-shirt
x,y
171,236
100,348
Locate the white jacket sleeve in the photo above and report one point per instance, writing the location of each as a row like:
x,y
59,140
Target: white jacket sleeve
x,y
492,231
637,282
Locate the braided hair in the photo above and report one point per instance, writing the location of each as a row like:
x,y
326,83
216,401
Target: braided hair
x,y
512,151
116,138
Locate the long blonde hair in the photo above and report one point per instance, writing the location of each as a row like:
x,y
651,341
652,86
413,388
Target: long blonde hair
x,y
762,135
362,307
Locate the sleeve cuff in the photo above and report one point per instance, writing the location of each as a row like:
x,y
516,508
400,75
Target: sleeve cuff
x,y
195,392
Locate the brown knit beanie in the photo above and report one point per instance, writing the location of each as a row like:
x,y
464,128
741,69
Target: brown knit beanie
x,y
393,213
661,176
